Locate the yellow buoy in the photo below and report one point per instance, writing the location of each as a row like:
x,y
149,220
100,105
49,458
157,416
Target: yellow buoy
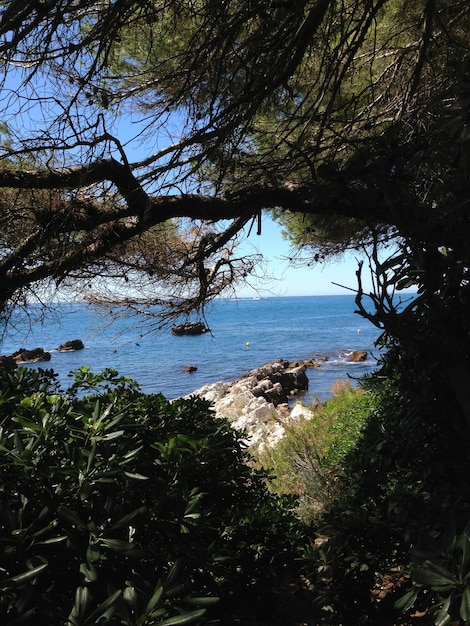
x,y
248,344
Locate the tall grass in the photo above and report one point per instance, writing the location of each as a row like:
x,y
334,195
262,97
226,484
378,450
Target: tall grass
x,y
308,461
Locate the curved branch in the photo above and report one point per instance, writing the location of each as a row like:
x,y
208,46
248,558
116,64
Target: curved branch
x,y
312,198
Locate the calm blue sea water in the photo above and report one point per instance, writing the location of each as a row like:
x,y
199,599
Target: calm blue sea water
x,y
288,327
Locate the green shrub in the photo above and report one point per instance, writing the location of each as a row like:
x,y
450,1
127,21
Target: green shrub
x,y
309,459
123,508
404,486
442,566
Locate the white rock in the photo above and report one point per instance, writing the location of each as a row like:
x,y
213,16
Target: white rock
x,y
259,418
300,412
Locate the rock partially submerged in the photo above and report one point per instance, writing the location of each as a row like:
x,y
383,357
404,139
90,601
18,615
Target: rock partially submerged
x,y
190,328
357,356
69,346
35,355
313,362
257,402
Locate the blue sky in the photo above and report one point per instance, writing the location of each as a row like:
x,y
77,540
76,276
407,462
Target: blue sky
x,y
286,280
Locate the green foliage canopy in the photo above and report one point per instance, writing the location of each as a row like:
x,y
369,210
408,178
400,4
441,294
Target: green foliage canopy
x,y
350,115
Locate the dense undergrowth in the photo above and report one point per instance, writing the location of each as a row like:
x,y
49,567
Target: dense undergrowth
x,y
308,461
383,481
122,508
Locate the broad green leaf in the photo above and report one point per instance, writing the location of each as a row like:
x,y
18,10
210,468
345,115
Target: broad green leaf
x,y
465,547
443,617
194,501
118,545
124,521
24,577
188,618
392,262
174,572
116,419
130,455
96,414
92,555
106,608
136,476
47,542
406,602
405,283
177,590
18,442
114,435
44,530
91,456
202,601
71,516
155,599
82,600
433,575
89,572
22,421
44,512
465,605
130,595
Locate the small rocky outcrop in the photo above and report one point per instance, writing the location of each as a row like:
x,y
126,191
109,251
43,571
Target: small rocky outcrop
x,y
257,404
190,328
357,356
31,356
313,362
68,346
189,369
277,381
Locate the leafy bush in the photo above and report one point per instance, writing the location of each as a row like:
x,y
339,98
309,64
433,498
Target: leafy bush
x,y
442,566
122,507
405,484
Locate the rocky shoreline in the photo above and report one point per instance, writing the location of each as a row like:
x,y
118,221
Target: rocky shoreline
x,y
262,402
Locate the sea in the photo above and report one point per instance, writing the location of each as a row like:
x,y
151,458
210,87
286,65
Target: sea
x,y
244,334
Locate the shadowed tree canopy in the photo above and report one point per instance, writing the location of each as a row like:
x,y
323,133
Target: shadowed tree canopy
x,y
140,140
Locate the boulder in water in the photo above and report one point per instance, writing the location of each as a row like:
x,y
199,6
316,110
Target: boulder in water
x,y
313,362
31,356
73,344
190,328
357,356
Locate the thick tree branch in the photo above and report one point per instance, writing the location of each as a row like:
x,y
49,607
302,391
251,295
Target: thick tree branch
x,y
322,198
